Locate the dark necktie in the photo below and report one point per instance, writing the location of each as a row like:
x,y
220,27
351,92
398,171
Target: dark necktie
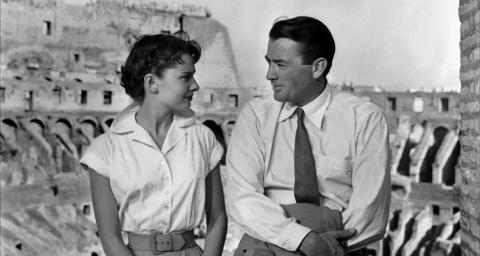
x,y
306,185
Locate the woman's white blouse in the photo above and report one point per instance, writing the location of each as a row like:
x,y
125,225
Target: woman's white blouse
x,y
156,190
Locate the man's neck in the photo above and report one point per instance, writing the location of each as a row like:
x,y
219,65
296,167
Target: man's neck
x,y
317,90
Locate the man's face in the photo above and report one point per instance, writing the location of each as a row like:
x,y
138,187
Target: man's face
x,y
292,81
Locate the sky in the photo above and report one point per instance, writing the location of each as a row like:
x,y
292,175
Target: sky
x,y
393,44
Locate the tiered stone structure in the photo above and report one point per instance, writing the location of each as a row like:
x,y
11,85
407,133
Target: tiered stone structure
x,y
59,74
437,107
60,57
59,89
469,13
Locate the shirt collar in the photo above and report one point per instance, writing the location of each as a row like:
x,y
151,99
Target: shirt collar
x,y
314,110
125,123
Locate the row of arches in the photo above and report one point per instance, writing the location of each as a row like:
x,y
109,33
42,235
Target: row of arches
x,y
88,126
419,152
54,144
35,147
426,153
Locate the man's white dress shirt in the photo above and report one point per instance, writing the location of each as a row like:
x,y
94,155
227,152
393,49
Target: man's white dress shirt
x,y
349,140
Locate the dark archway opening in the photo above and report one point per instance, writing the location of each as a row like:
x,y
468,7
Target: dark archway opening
x,y
217,130
426,170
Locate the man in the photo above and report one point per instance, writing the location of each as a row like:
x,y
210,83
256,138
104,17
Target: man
x,y
313,147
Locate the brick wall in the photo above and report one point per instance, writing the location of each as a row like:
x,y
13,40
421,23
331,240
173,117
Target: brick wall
x,y
469,13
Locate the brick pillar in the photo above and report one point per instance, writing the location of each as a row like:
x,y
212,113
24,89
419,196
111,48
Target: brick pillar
x,y
469,13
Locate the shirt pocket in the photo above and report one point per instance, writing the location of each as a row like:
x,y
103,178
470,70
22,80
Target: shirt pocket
x,y
336,170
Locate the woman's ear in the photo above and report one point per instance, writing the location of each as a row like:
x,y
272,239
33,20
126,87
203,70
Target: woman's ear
x,y
318,67
150,83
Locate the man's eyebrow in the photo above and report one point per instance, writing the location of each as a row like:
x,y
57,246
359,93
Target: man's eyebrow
x,y
188,72
275,60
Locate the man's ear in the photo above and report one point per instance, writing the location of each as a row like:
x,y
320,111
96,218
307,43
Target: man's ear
x,y
318,67
150,84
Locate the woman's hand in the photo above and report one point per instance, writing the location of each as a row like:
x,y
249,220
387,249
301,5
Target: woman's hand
x,y
106,215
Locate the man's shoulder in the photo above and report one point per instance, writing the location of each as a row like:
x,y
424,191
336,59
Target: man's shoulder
x,y
341,99
261,106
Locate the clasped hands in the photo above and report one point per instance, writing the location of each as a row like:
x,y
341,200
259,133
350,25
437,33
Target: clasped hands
x,y
328,236
327,243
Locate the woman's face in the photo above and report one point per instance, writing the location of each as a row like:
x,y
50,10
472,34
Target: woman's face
x,y
177,85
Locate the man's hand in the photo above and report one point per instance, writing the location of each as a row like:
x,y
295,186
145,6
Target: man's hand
x,y
325,244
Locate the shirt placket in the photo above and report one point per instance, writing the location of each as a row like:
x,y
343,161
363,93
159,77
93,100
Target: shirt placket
x,y
167,183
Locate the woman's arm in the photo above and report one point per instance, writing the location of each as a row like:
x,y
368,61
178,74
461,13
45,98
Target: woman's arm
x,y
216,215
106,215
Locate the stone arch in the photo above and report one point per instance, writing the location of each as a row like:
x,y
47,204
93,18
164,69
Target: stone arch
x,y
106,123
217,130
208,122
446,159
399,142
37,125
210,119
450,168
227,127
64,126
439,133
109,121
8,129
89,119
89,127
419,152
426,169
413,138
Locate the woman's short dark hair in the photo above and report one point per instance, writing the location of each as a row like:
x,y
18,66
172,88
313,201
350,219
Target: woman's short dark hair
x,y
153,54
313,36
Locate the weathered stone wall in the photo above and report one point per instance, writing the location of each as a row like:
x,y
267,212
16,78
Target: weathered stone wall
x,y
439,108
81,47
213,69
45,199
60,95
469,13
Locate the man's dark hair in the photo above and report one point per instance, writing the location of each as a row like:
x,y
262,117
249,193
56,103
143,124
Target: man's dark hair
x,y
313,36
153,54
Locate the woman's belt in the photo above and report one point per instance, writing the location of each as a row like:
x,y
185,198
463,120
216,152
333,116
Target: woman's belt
x,y
159,243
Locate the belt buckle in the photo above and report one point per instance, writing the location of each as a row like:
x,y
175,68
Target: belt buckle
x,y
160,243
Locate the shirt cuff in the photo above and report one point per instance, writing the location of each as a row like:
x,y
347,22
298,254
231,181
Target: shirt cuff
x,y
95,163
291,238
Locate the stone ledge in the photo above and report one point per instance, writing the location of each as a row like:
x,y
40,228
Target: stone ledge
x,y
66,188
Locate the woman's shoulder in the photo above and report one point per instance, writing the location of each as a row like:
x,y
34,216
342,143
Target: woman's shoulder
x,y
199,130
107,141
100,143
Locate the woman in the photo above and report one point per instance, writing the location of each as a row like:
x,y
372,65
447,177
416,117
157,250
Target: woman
x,y
155,173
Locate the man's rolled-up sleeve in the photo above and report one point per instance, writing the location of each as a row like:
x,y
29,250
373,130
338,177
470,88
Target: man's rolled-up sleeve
x,y
369,204
247,205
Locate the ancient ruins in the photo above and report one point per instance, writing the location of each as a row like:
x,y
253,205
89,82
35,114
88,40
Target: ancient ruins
x,y
59,89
